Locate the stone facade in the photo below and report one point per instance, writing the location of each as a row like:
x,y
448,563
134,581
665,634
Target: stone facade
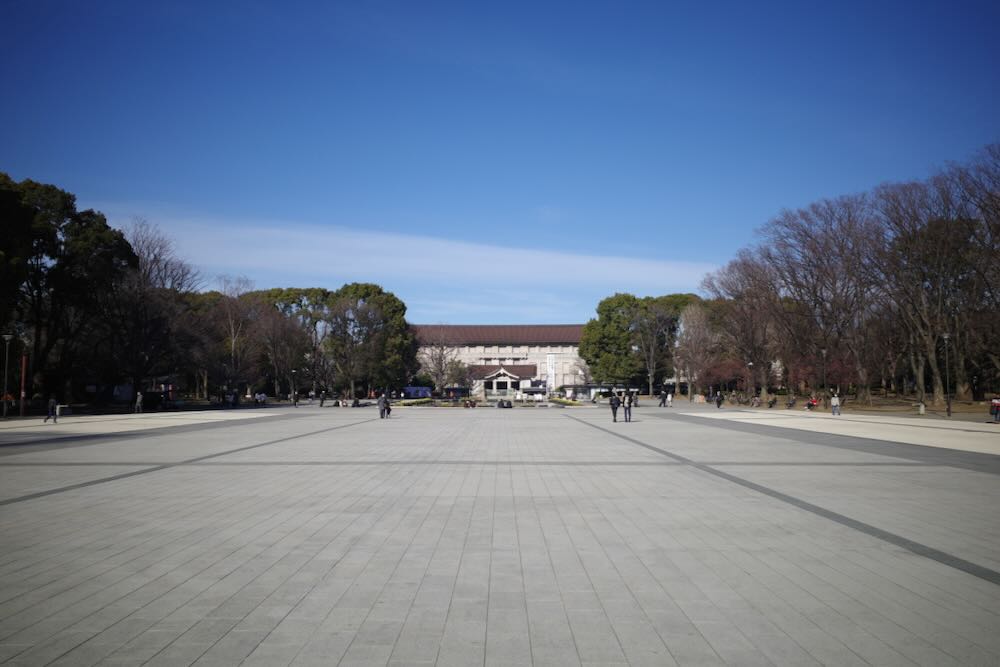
x,y
515,355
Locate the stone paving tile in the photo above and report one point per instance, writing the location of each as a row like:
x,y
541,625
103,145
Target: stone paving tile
x,y
478,537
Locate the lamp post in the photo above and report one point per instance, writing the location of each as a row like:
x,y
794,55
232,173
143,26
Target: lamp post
x,y
750,386
24,373
947,375
6,356
294,397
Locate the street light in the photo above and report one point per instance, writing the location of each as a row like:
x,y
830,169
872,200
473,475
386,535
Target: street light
x,y
947,375
6,355
750,387
294,401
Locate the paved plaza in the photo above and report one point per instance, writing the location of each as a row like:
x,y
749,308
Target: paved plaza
x,y
545,536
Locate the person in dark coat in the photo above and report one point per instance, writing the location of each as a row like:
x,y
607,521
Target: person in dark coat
x,y
53,412
627,404
615,402
381,406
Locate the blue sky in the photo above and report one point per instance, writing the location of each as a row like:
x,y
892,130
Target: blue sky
x,y
501,162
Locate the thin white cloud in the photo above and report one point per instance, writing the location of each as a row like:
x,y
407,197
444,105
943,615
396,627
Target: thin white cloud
x,y
338,252
439,277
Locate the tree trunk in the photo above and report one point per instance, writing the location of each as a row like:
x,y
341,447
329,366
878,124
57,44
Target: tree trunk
x,y
937,383
864,391
960,379
917,366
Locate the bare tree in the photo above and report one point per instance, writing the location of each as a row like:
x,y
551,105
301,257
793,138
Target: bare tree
x,y
284,342
143,309
697,346
818,258
436,356
745,287
653,326
237,317
926,268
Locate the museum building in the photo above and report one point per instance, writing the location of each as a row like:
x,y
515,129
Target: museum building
x,y
508,359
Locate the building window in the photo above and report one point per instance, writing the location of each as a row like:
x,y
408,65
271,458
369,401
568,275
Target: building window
x,y
488,384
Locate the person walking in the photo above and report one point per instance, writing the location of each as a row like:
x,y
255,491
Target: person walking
x,y
718,400
670,399
663,398
995,409
53,411
381,406
627,404
615,402
138,402
835,404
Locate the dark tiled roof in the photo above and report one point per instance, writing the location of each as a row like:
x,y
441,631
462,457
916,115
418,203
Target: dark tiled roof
x,y
521,371
503,334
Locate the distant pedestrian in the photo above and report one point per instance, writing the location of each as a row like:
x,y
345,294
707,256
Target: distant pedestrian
x,y
995,409
718,400
381,406
322,398
670,399
835,404
627,404
295,398
53,411
615,402
138,402
663,399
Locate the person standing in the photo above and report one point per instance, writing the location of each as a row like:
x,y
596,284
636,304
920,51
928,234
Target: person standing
x,y
615,402
138,402
995,409
835,404
718,399
670,399
381,406
627,404
53,411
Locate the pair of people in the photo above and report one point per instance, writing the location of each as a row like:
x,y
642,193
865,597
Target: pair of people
x,y
625,402
384,406
666,399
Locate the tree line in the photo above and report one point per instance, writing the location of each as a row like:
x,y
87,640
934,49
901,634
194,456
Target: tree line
x,y
893,291
90,308
896,291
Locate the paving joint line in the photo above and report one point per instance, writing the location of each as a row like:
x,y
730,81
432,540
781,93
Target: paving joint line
x,y
165,466
69,441
942,557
